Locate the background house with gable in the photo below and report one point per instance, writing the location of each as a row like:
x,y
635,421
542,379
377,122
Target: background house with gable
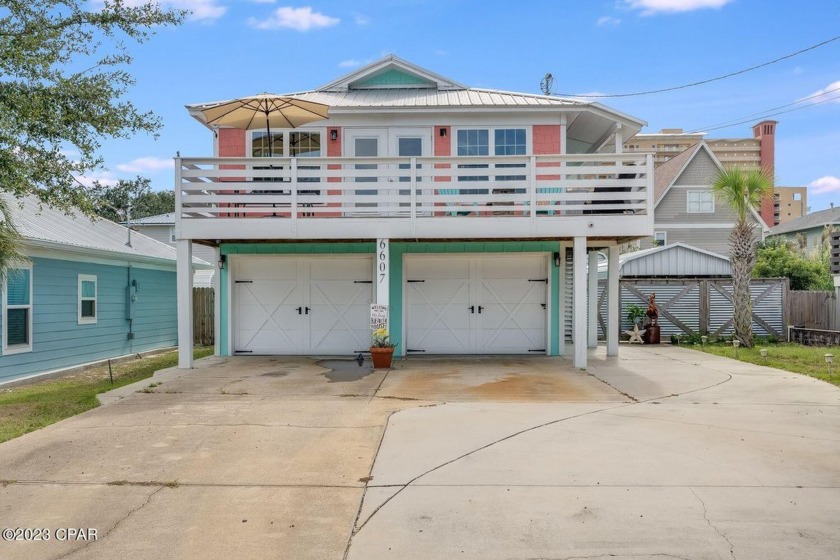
x,y
685,208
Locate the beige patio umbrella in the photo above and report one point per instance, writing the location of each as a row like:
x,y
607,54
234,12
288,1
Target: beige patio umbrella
x,y
265,110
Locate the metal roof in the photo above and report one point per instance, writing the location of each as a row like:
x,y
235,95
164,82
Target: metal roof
x,y
809,221
46,227
159,220
442,94
673,260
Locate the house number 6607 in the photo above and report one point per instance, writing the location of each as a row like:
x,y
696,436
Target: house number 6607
x,y
382,264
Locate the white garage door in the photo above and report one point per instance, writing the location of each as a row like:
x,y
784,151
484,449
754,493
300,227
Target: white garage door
x,y
301,305
465,304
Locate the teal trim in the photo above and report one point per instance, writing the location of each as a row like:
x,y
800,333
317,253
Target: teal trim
x,y
392,77
398,250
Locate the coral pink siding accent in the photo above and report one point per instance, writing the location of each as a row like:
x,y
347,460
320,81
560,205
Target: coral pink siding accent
x,y
546,141
765,132
231,142
443,147
334,149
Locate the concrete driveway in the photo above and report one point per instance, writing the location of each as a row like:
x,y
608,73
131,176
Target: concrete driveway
x,y
663,453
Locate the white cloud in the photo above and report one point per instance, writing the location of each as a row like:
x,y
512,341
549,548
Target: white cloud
x,y
649,7
103,177
604,21
351,63
202,10
362,20
146,164
299,19
825,185
830,93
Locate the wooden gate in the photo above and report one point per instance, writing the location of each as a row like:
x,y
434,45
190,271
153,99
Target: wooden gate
x,y
203,316
813,310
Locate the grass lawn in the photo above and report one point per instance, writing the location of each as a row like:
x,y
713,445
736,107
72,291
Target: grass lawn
x,y
809,360
29,407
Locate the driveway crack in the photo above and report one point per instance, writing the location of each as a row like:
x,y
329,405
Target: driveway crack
x,y
114,526
709,521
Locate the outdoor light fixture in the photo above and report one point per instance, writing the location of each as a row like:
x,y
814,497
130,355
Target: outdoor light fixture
x,y
736,343
829,358
222,261
703,339
763,353
333,134
443,132
556,256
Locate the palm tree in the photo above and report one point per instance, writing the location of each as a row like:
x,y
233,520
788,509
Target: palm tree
x,y
743,191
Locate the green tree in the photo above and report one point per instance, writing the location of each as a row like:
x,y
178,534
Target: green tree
x,y
136,195
743,190
777,258
63,81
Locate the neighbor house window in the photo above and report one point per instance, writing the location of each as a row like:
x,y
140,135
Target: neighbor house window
x,y
660,238
17,311
87,299
700,202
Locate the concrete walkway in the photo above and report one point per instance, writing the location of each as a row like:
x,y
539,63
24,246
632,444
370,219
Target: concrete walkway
x,y
662,453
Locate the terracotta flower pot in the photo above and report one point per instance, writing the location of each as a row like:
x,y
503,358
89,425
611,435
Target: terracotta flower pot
x,y
381,357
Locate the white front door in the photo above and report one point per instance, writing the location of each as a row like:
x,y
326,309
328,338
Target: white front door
x,y
366,143
301,305
471,304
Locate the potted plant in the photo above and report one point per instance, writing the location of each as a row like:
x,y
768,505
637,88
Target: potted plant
x,y
635,313
381,349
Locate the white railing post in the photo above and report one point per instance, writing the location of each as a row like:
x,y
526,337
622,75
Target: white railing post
x,y
532,188
294,193
413,196
179,205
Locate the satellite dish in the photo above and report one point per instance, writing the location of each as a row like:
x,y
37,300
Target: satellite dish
x,y
546,83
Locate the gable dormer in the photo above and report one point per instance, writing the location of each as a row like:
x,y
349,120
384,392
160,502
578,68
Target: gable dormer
x,y
391,72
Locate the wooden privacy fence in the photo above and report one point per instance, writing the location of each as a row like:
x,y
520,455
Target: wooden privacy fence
x,y
813,310
203,316
701,306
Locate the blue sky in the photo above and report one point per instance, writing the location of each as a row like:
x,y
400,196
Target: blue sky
x,y
232,48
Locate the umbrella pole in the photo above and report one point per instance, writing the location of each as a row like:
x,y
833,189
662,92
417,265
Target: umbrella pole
x,y
268,130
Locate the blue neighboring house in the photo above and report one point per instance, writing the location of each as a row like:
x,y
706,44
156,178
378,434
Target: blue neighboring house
x,y
87,293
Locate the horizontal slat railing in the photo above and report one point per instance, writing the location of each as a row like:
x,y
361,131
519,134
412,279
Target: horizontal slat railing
x,y
412,188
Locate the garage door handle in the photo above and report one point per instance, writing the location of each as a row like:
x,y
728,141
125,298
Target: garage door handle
x,y
300,310
480,309
471,308
306,310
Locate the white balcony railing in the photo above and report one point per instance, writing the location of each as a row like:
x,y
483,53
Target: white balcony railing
x,y
297,190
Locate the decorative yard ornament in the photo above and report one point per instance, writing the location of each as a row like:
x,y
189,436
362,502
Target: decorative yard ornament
x,y
635,334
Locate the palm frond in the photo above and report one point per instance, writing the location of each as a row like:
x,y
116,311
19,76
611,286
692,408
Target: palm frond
x,y
743,189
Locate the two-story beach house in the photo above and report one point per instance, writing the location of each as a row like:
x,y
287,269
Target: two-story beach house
x,y
468,212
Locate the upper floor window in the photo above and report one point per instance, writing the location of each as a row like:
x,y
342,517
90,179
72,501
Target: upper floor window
x,y
17,311
87,299
473,142
700,202
285,144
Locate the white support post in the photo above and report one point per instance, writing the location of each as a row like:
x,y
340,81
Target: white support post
x,y
217,303
563,151
592,299
613,304
579,291
561,294
383,273
532,189
294,202
184,281
619,143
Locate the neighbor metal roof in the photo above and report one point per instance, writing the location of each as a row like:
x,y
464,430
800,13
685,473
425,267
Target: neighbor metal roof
x,y
809,221
672,260
160,219
44,226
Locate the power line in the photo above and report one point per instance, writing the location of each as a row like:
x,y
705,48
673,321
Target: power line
x,y
702,82
725,124
835,98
